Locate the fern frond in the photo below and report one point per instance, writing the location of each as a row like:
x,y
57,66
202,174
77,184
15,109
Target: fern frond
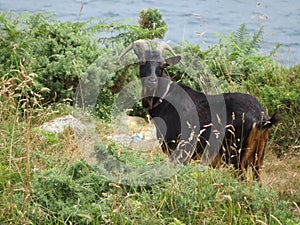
x,y
257,38
274,51
244,44
241,35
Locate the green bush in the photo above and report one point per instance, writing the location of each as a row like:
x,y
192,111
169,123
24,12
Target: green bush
x,y
80,195
57,51
151,20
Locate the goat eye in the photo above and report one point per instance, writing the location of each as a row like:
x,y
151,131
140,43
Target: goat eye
x,y
159,71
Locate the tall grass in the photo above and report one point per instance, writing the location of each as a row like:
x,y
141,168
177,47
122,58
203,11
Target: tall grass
x,y
22,145
16,121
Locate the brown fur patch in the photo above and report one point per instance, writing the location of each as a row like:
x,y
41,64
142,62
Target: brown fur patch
x,y
254,153
260,151
217,161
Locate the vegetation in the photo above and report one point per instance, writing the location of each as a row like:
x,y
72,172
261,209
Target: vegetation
x,y
151,20
44,178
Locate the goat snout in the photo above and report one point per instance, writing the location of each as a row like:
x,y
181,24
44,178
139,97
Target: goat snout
x,y
151,82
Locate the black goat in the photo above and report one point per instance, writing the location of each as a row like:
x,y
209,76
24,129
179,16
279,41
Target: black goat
x,y
192,125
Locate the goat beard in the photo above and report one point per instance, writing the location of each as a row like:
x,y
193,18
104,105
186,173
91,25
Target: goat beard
x,y
148,96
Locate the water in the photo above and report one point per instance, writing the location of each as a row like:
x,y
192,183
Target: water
x,y
196,21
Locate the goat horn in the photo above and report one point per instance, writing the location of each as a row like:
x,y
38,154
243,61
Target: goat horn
x,y
162,45
139,47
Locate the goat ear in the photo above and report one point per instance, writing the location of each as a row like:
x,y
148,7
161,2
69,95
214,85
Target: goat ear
x,y
173,60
